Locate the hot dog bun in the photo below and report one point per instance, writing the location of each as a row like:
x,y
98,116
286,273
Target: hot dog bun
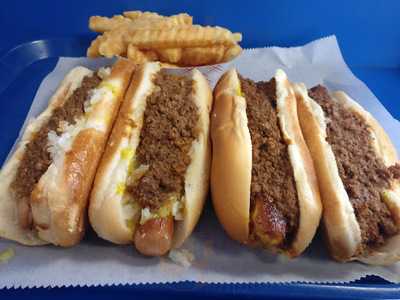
x,y
231,171
340,221
58,201
107,212
9,227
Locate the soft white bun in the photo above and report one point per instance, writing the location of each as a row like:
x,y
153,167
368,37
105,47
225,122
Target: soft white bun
x,y
231,158
232,161
59,200
310,206
107,213
341,226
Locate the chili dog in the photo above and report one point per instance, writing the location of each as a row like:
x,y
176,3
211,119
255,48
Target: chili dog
x,y
44,186
153,178
263,183
358,172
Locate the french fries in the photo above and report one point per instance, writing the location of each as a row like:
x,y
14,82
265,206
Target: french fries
x,y
148,36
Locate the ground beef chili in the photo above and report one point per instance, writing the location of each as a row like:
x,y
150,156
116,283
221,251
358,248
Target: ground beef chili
x,y
36,158
272,180
363,173
169,129
395,171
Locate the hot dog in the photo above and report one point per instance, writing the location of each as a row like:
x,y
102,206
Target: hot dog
x,y
358,172
153,178
44,186
263,184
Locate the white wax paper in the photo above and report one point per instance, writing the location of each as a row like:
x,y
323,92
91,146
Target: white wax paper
x,y
217,258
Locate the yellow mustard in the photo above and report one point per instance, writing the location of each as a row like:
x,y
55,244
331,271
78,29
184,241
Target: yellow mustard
x,y
109,86
239,91
120,188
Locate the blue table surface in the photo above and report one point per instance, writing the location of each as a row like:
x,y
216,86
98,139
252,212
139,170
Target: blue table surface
x,y
368,33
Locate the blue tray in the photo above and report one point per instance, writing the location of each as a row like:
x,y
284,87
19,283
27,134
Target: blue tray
x,y
21,71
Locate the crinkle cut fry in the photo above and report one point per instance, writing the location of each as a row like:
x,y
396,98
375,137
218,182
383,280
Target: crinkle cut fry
x,y
185,56
170,55
181,37
136,14
195,56
103,24
93,50
179,19
209,55
138,56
